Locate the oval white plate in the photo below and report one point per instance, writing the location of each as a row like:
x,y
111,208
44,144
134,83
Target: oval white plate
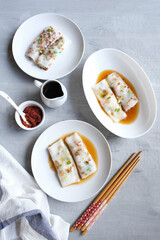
x,y
47,178
65,63
112,59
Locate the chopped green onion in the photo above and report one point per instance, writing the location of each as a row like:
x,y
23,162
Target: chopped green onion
x,y
60,165
40,52
103,95
120,102
39,40
129,91
48,29
88,169
69,162
122,90
55,51
65,179
109,97
60,51
118,109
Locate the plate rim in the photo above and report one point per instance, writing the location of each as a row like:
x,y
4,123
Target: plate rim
x,y
110,157
155,102
48,13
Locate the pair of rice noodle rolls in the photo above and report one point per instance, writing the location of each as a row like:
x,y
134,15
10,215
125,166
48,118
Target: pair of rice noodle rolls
x,y
64,163
112,103
46,47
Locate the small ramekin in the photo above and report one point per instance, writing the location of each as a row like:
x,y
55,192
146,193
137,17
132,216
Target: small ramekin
x,y
22,106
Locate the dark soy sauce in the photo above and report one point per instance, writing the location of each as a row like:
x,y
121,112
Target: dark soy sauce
x,y
52,90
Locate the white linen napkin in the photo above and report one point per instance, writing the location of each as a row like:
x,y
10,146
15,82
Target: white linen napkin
x,y
24,209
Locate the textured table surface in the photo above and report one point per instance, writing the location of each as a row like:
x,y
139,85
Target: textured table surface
x,y
131,26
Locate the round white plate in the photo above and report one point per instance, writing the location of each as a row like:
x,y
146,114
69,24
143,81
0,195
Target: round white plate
x,y
112,59
65,63
47,178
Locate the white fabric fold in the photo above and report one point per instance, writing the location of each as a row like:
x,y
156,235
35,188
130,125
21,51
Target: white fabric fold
x,y
24,209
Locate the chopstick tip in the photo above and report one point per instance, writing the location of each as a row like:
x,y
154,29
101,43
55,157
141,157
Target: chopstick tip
x,y
85,232
72,229
79,227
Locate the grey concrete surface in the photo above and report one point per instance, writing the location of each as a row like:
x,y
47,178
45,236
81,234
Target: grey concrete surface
x,y
131,26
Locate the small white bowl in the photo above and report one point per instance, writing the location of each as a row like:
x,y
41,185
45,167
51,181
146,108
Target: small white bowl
x,y
22,106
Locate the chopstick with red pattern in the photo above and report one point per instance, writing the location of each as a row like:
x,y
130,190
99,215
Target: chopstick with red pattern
x,y
99,211
99,200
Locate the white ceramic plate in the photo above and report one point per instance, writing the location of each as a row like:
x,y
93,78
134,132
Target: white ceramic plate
x,y
65,63
47,178
112,59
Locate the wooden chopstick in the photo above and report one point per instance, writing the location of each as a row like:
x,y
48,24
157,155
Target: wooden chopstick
x,y
110,190
114,178
120,177
112,194
83,216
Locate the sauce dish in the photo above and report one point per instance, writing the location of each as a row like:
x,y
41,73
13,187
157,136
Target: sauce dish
x,y
22,106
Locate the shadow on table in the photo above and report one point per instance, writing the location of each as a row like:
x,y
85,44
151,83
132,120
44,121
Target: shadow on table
x,y
11,112
22,76
28,155
13,64
22,134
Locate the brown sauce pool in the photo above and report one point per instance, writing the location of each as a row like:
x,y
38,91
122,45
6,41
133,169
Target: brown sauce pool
x,y
133,112
91,149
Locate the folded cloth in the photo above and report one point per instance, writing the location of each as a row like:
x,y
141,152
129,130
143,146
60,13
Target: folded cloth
x,y
24,209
